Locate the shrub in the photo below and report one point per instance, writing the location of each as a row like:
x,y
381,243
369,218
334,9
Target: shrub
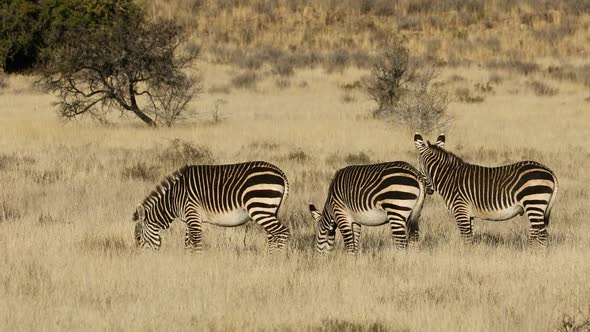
x,y
496,78
422,108
542,89
219,89
359,158
575,323
348,97
298,156
180,153
141,171
282,83
484,87
103,245
388,77
403,95
283,68
9,212
47,219
465,95
245,80
216,115
338,60
333,325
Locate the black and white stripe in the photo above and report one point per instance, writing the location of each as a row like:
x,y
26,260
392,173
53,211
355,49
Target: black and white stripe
x,y
224,195
371,195
491,193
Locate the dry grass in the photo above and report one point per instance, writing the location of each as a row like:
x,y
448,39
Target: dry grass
x,y
66,248
336,32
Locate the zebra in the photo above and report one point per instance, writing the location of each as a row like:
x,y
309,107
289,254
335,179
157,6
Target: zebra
x,y
371,195
491,193
223,195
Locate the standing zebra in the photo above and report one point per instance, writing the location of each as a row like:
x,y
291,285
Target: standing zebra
x,y
224,195
371,195
492,193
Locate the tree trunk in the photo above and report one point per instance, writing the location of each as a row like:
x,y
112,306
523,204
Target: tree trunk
x,y
135,109
144,117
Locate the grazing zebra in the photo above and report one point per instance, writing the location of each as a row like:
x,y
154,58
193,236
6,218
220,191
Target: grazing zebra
x,y
371,195
492,193
224,195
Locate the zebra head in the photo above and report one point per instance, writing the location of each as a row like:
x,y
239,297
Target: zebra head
x,y
144,236
326,230
425,156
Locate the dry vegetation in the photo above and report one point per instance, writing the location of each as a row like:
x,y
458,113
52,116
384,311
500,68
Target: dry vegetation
x,y
69,189
339,33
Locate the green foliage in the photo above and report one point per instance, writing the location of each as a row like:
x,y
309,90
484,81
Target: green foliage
x,y
29,27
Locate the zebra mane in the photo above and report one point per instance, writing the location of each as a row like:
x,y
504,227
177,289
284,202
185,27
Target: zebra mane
x,y
161,189
452,157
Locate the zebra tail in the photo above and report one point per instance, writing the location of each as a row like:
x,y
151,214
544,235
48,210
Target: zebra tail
x,y
551,201
286,192
418,208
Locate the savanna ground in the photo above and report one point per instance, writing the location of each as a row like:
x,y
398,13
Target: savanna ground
x,y
68,260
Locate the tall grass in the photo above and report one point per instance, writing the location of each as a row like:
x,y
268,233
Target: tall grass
x,y
69,262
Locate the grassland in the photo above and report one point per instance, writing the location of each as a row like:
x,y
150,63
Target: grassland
x,y
67,256
445,32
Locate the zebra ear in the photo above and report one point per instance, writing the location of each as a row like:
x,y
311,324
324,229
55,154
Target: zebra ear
x,y
440,141
314,212
418,141
139,213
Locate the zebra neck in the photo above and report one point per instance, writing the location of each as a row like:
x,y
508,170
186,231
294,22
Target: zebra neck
x,y
164,208
443,176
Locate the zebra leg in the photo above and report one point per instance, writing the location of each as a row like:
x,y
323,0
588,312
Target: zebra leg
x,y
465,224
356,232
346,229
193,238
277,233
399,229
538,236
413,234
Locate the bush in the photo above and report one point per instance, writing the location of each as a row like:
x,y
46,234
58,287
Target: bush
x,y
180,153
388,77
298,156
9,212
541,89
283,68
360,158
579,322
422,108
464,95
338,60
103,245
29,27
333,325
403,95
282,83
141,171
246,80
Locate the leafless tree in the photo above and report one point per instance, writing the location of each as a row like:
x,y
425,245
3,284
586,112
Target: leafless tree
x,y
135,66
